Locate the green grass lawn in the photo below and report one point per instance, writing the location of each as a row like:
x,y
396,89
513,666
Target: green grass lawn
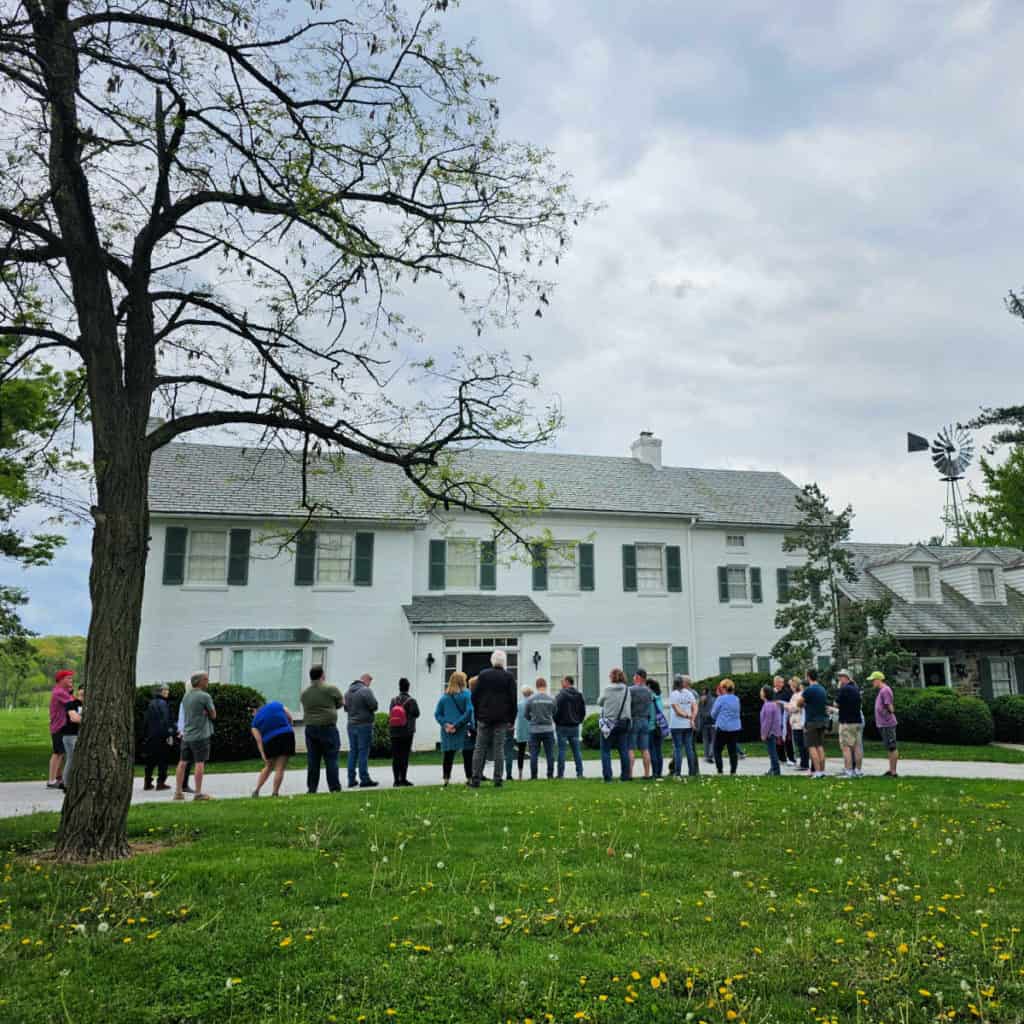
x,y
753,900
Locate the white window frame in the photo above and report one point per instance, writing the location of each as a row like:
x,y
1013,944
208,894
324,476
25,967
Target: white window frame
x,y
214,672
220,583
316,658
747,597
555,681
930,596
465,542
731,540
991,574
570,568
733,658
345,584
944,662
662,582
664,678
1010,688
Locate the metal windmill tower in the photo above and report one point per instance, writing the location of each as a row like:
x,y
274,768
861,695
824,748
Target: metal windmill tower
x,y
952,450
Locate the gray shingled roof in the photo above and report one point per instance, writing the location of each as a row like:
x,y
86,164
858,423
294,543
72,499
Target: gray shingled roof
x,y
451,610
954,615
219,480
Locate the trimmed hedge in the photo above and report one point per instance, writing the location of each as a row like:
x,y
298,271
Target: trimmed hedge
x,y
591,732
748,689
232,739
1008,718
380,745
934,715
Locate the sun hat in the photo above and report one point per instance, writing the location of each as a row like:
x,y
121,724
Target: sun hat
x,y
876,675
844,672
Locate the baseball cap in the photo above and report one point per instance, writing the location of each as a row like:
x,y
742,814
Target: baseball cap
x,y
844,672
876,675
64,673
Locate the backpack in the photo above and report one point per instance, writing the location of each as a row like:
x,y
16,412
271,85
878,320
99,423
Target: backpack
x,y
398,719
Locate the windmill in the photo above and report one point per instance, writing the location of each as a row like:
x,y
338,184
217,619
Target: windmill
x,y
952,450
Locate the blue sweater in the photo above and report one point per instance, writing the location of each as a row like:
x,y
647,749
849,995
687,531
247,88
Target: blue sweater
x,y
725,713
454,709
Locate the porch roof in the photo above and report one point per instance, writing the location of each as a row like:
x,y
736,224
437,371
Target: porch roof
x,y
448,611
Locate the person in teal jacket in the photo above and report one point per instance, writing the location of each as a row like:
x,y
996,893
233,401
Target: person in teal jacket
x,y
454,713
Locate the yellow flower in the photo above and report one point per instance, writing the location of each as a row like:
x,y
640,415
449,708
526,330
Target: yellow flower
x,y
635,975
731,1014
391,1012
655,982
286,941
579,1015
923,992
902,949
602,998
664,977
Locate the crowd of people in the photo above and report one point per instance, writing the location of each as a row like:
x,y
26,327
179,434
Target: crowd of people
x,y
484,719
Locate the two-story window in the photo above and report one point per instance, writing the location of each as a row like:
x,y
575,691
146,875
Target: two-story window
x,y
922,583
462,564
652,568
739,584
987,585
205,558
563,567
333,559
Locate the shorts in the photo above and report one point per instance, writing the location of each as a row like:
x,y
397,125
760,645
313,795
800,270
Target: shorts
x,y
281,745
888,734
195,751
639,738
814,734
57,742
850,734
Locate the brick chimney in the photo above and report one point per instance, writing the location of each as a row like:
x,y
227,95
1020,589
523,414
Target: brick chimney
x,y
647,448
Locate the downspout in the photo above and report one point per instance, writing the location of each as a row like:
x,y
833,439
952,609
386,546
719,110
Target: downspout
x,y
693,597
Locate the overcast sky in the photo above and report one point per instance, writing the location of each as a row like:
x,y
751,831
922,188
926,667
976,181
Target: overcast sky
x,y
812,214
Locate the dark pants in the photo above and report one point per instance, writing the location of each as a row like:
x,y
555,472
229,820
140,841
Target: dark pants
x,y
510,753
682,740
157,754
801,749
449,759
322,743
547,741
359,739
708,736
786,746
730,740
657,753
490,745
617,739
400,748
773,755
569,735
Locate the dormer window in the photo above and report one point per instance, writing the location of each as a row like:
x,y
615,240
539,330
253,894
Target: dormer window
x,y
987,585
922,583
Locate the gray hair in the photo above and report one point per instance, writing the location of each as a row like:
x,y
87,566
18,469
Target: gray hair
x,y
198,677
499,659
682,680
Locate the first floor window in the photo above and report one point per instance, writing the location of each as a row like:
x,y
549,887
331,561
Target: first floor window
x,y
275,671
650,574
207,556
564,662
741,663
655,659
1002,681
737,583
462,564
922,582
333,558
563,575
214,664
987,584
319,657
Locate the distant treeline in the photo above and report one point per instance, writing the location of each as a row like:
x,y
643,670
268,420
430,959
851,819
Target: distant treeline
x,y
27,667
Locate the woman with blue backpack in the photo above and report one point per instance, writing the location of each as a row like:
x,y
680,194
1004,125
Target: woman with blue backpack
x,y
402,714
454,713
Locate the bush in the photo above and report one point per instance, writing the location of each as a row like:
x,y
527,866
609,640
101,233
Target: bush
x,y
748,689
232,739
591,732
381,743
1008,718
940,715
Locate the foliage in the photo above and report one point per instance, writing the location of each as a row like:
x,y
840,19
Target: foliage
x,y
813,605
590,732
869,644
380,746
748,689
232,738
996,517
934,714
1009,417
1008,717
16,668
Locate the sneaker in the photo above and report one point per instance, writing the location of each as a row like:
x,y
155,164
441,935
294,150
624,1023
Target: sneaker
x,y
147,785
369,784
498,783
818,775
163,785
791,764
179,795
202,796
55,785
858,774
473,783
255,794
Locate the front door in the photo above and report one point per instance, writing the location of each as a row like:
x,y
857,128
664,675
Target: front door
x,y
474,662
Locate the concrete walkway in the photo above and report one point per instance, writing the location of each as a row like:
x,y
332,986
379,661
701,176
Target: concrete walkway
x,y
18,798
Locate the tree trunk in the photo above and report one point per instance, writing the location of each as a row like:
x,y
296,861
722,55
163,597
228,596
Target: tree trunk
x,y
93,822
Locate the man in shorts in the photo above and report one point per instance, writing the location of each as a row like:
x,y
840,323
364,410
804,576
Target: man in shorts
x,y
60,696
885,719
199,716
851,726
814,700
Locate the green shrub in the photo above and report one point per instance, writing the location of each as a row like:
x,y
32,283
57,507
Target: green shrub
x,y
748,689
940,715
1008,718
232,739
381,743
591,732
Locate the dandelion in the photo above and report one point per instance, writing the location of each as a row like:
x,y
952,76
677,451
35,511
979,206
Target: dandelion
x,y
903,949
391,1012
285,942
232,982
655,982
103,927
924,992
440,865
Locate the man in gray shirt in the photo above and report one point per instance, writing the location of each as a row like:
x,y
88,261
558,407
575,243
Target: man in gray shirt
x,y
540,713
640,731
360,704
199,716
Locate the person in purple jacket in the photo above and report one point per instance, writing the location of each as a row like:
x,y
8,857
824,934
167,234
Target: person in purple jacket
x,y
771,727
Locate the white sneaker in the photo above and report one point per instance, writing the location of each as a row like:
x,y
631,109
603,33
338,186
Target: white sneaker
x,y
792,764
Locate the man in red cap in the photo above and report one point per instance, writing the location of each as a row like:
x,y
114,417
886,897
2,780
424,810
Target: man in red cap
x,y
59,698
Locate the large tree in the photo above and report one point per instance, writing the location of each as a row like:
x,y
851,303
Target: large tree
x,y
1009,418
215,208
996,515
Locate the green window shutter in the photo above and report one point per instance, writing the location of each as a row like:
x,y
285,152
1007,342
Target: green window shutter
x,y
488,565
824,663
175,547
724,666
540,567
764,665
362,575
680,661
985,668
591,674
630,663
723,584
629,567
585,553
305,559
1018,670
238,558
756,594
673,569
782,581
438,558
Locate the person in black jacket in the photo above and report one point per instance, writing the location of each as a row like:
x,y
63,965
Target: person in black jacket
x,y
401,735
158,737
494,707
570,710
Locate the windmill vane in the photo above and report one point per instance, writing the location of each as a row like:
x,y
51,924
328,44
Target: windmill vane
x,y
952,450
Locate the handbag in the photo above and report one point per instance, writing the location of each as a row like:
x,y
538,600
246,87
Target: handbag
x,y
660,720
606,724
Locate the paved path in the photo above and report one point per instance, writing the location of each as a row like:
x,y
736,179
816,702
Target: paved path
x,y
28,797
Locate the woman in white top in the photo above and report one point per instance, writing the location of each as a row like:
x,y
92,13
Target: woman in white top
x,y
796,723
682,717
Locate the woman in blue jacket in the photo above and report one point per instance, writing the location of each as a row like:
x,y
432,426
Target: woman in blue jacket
x,y
725,713
454,713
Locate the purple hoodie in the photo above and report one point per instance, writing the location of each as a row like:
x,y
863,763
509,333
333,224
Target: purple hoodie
x,y
771,720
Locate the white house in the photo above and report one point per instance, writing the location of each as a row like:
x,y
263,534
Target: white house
x,y
674,569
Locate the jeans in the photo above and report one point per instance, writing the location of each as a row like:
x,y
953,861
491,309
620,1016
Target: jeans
x,y
490,744
569,734
773,755
682,739
730,740
359,739
708,736
547,741
510,752
785,746
657,753
69,753
322,741
801,749
400,748
618,740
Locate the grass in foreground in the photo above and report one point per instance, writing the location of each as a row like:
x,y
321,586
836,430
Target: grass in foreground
x,y
723,900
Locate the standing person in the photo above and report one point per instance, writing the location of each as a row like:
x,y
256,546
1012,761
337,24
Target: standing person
x,y
784,694
682,716
454,713
654,719
69,734
639,714
771,727
320,703
522,729
180,730
796,721
615,714
706,724
157,737
851,724
726,713
814,700
494,710
402,714
570,711
360,705
200,714
59,697
540,713
274,732
885,719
